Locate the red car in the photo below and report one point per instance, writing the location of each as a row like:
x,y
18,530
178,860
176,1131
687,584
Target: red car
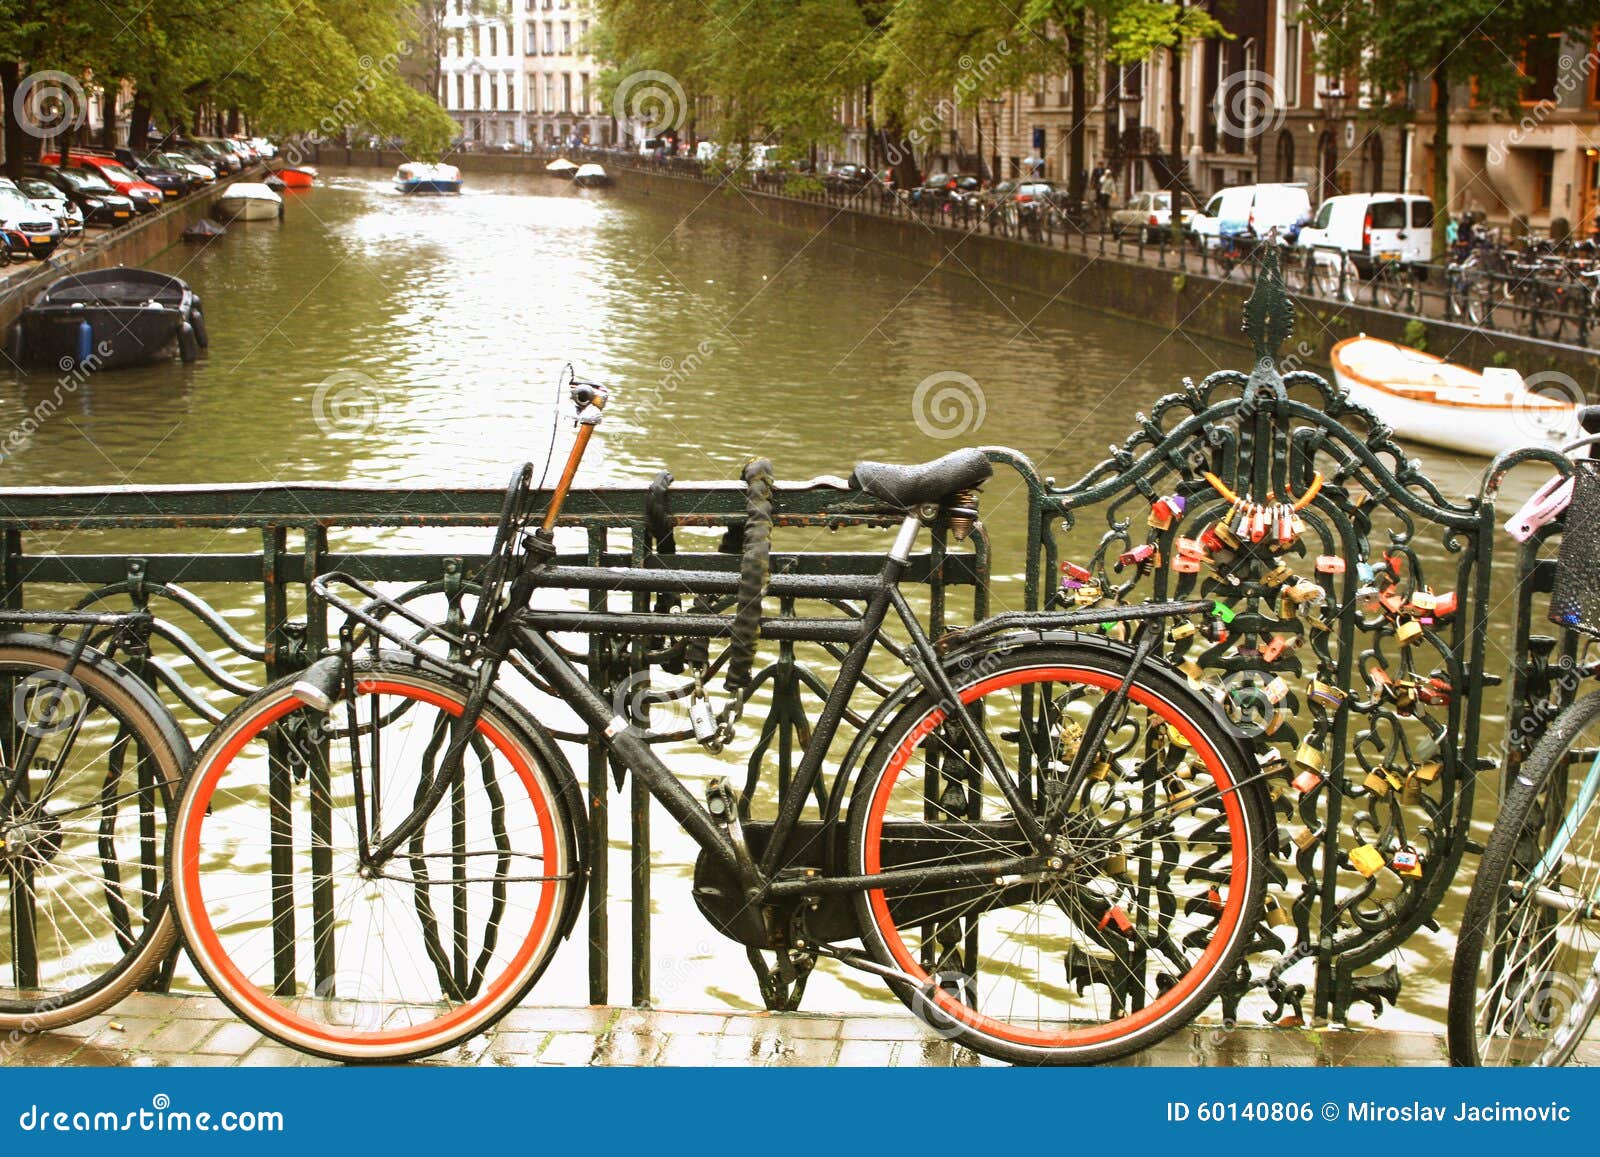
x,y
143,194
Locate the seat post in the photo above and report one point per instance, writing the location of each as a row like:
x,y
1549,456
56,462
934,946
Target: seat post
x,y
901,551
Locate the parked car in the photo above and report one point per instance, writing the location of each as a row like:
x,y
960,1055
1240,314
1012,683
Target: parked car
x,y
1149,214
20,215
848,178
220,159
707,151
53,201
939,187
169,178
145,196
1255,209
263,147
1368,228
101,204
203,173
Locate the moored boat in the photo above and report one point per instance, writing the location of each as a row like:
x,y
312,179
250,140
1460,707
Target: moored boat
x,y
561,167
248,201
107,318
590,176
420,177
297,176
1427,399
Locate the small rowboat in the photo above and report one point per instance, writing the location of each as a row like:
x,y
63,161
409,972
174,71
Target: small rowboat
x,y
1427,399
297,177
561,167
248,201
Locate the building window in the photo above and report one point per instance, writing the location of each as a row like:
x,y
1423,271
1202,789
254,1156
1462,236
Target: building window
x,y
494,42
549,38
1291,53
477,47
1543,179
583,94
530,38
461,46
461,91
566,92
550,94
583,31
494,92
566,38
1541,68
477,91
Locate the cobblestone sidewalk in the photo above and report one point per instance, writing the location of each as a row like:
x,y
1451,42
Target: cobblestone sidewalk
x,y
148,1029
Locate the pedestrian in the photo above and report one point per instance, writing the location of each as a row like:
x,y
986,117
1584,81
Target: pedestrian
x,y
1105,189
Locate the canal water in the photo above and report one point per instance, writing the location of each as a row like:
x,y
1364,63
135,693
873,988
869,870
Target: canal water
x,y
378,339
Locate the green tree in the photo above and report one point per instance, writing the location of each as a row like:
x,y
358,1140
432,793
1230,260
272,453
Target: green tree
x,y
1390,46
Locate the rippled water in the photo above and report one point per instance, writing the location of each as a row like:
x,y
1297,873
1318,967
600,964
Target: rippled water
x,y
374,338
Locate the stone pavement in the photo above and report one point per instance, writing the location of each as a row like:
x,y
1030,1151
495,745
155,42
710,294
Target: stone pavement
x,y
148,1029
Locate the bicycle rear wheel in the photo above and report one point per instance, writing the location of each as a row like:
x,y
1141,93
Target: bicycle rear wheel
x,y
84,917
317,950
1164,871
1526,981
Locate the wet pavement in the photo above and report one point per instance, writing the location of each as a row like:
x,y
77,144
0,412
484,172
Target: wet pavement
x,y
154,1030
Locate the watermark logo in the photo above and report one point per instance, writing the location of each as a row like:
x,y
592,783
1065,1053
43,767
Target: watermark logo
x,y
346,402
652,98
646,711
948,404
1248,104
49,103
48,702
1543,412
1571,74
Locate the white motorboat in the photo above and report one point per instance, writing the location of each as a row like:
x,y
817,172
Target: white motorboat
x,y
421,177
1427,399
248,201
561,167
590,176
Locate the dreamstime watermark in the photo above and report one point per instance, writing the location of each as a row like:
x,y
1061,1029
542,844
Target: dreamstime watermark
x,y
344,111
49,103
651,98
73,374
948,404
47,702
1543,410
644,711
1570,76
946,112
677,372
346,402
1248,105
158,1117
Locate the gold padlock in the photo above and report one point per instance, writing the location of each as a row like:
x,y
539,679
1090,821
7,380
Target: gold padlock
x,y
1115,864
1100,771
1367,860
1326,695
1304,838
1377,783
1427,771
1181,631
1087,595
1180,801
1411,793
1193,670
1309,757
1278,914
1407,632
1277,576
1424,600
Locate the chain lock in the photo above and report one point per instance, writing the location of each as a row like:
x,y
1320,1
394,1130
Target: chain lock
x,y
713,729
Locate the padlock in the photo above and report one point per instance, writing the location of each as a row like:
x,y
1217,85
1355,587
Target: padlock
x,y
1176,738
1222,611
1366,573
1277,690
1116,918
1395,564
1407,631
1185,564
1222,533
1117,632
1100,771
1309,757
1367,860
1258,523
1144,555
1434,691
1273,764
1405,696
1303,591
1326,695
1392,601
1382,684
1278,914
1273,649
1330,564
1276,577
1087,595
1191,548
1423,601
1166,510
1444,606
1192,670
1305,782
1377,783
703,719
1284,531
1180,801
1115,864
1181,631
1074,576
1304,838
1407,862
1428,771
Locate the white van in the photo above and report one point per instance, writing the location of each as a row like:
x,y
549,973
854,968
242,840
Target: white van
x,y
707,151
1257,209
1371,227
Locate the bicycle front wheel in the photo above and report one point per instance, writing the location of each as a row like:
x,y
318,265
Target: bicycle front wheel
x,y
95,760
1163,870
303,938
1526,981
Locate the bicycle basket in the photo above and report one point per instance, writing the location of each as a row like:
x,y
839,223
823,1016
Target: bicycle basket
x,y
1575,602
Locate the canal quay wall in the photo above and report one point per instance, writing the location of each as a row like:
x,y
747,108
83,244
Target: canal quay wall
x,y
130,244
1168,297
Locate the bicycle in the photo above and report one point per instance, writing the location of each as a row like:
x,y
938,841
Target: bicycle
x,y
90,760
1526,981
1053,849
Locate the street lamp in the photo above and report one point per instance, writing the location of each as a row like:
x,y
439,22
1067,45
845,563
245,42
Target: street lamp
x,y
1334,98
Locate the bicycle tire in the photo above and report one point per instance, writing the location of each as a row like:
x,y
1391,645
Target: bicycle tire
x,y
347,1003
1489,885
947,989
118,949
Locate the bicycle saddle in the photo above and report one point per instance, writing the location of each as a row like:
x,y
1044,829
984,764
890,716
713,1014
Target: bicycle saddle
x,y
908,486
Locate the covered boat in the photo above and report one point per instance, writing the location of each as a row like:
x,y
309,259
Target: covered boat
x,y
248,201
420,177
297,176
203,230
1427,399
590,177
107,318
561,167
